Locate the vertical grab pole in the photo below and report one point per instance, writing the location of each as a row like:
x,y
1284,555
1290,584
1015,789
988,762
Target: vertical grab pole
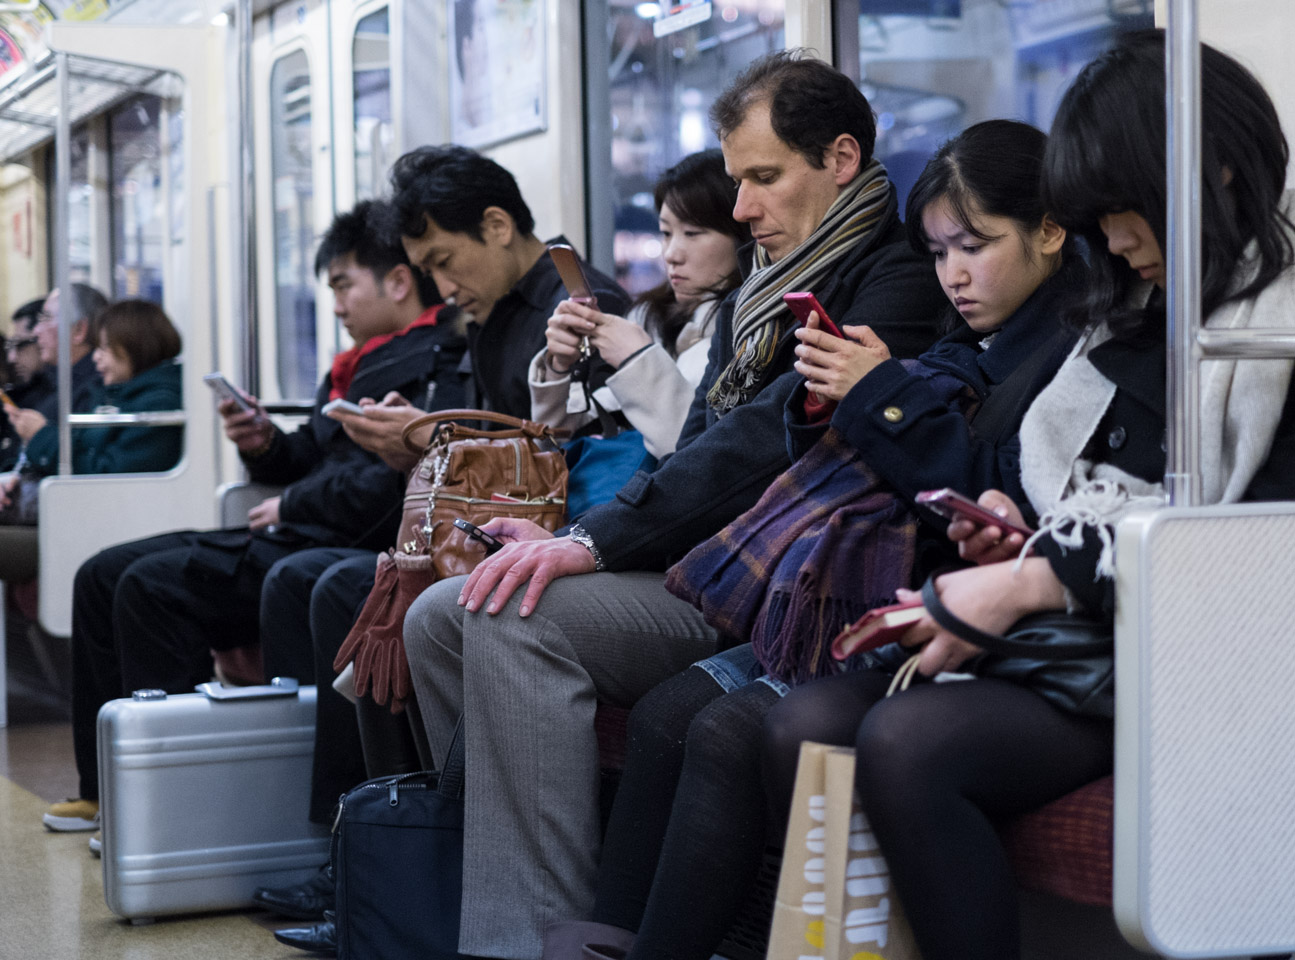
x,y
1183,150
63,261
250,333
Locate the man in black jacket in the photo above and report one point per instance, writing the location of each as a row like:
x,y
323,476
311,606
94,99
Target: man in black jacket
x,y
148,613
31,381
466,226
593,620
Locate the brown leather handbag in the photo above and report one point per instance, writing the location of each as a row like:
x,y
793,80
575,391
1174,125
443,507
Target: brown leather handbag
x,y
463,473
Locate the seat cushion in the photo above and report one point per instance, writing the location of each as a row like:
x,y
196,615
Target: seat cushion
x,y
1064,848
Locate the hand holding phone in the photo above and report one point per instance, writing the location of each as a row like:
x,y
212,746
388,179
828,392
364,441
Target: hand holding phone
x,y
952,505
224,390
802,304
877,627
340,404
476,533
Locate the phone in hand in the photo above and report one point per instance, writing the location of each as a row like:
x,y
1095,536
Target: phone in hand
x,y
224,390
952,505
572,274
7,400
340,404
877,627
476,533
802,304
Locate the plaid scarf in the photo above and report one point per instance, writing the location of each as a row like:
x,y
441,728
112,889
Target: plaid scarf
x,y
760,317
828,541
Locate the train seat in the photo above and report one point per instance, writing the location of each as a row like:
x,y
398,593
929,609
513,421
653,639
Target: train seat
x,y
1064,848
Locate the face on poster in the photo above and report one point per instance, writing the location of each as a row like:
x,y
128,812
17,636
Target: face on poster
x,y
497,73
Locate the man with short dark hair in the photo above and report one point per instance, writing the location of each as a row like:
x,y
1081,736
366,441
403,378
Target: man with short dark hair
x,y
31,383
464,223
148,613
526,645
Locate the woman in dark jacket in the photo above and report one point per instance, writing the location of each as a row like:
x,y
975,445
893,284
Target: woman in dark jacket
x,y
940,763
136,359
688,828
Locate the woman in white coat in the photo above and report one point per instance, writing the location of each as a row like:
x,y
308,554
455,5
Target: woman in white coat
x,y
659,351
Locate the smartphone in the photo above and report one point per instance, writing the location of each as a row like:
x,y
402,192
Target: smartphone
x,y
476,533
572,274
225,390
952,505
803,304
340,404
7,400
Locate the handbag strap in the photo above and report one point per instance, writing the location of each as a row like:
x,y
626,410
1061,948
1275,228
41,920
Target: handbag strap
x,y
527,428
1020,643
452,774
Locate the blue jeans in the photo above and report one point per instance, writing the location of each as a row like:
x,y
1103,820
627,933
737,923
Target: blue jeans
x,y
737,667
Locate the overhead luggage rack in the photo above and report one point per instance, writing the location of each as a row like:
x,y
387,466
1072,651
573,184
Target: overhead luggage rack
x,y
29,108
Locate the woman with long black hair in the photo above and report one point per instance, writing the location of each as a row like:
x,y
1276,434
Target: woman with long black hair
x,y
939,764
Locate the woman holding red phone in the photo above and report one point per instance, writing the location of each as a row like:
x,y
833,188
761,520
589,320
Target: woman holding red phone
x,y
659,351
688,828
941,763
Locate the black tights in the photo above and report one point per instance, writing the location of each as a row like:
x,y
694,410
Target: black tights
x,y
938,765
687,832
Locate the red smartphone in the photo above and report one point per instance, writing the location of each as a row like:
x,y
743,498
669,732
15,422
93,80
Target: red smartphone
x,y
877,627
803,304
572,274
953,505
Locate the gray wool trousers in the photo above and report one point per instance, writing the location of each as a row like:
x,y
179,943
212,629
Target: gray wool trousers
x,y
527,689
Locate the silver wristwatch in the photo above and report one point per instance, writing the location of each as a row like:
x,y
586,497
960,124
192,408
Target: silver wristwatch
x,y
578,534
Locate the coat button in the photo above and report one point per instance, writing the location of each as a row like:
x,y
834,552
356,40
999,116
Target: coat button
x,y
893,414
1118,437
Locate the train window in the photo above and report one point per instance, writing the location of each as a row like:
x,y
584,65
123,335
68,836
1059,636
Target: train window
x,y
139,227
374,132
931,68
291,169
667,63
80,208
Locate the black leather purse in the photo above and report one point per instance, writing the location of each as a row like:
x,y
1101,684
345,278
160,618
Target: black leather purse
x,y
1067,658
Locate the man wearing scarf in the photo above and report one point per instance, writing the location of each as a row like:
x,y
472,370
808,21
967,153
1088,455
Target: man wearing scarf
x,y
146,614
527,671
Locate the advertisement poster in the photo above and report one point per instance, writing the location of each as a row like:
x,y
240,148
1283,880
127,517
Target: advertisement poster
x,y
498,87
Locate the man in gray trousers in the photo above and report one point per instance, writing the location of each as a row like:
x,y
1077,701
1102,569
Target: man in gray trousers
x,y
594,621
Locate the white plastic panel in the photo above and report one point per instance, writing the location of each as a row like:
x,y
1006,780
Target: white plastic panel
x,y
1205,765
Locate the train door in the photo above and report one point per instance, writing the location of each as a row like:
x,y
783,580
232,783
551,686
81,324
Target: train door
x,y
295,188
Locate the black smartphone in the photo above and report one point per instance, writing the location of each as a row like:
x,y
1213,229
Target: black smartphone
x,y
476,533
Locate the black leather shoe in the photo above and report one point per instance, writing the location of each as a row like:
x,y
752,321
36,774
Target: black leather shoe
x,y
321,939
306,901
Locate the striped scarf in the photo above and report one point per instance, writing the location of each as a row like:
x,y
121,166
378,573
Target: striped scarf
x,y
761,318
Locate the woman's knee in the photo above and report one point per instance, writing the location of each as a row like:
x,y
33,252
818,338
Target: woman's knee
x,y
726,734
659,721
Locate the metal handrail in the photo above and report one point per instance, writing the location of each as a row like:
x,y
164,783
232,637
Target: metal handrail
x,y
148,418
1250,344
1183,151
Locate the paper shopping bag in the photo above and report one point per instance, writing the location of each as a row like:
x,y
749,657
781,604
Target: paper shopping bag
x,y
834,900
862,917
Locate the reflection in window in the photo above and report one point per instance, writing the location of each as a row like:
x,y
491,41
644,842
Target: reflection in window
x,y
139,228
931,68
374,133
294,228
661,90
80,209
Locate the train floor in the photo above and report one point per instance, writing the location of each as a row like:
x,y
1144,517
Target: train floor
x,y
51,887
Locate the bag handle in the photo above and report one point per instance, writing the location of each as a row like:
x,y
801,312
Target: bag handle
x,y
1020,643
529,428
452,774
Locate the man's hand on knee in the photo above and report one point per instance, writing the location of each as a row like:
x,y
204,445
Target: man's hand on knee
x,y
535,562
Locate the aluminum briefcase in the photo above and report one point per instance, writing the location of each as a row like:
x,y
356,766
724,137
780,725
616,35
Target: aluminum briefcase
x,y
204,797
